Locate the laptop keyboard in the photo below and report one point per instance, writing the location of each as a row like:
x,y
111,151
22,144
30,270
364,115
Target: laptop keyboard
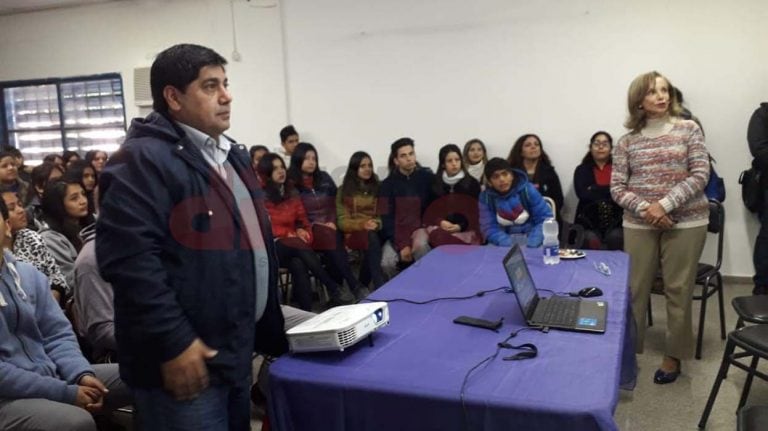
x,y
560,311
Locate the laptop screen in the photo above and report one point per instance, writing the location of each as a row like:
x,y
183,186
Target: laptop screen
x,y
520,281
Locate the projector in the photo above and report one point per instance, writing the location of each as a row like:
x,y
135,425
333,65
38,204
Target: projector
x,y
338,328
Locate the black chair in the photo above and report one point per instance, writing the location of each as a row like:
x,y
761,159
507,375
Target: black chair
x,y
754,341
752,309
753,418
708,276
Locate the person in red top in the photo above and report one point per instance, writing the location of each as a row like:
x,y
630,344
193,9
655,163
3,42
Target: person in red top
x,y
293,235
597,212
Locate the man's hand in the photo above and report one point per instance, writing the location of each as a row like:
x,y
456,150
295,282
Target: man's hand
x,y
330,224
406,255
186,375
90,382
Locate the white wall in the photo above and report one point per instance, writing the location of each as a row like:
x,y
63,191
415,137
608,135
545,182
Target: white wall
x,y
361,73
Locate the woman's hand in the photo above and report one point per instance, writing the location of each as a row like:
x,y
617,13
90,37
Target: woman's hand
x,y
303,235
330,224
655,213
371,224
450,227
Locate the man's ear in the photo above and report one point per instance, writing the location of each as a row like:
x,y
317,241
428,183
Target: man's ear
x,y
171,95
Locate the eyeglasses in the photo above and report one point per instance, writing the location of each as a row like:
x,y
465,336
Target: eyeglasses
x,y
601,144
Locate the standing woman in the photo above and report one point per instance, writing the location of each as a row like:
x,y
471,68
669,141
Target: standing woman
x,y
356,214
528,155
318,194
293,235
660,169
452,217
597,212
475,158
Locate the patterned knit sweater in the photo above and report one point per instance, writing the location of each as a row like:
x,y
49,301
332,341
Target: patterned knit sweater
x,y
672,168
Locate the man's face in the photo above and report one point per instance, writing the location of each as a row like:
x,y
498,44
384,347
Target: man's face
x,y
290,144
405,159
205,104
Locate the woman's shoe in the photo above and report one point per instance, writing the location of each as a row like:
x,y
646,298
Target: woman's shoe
x,y
662,377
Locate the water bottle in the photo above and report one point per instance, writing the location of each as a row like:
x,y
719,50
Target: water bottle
x,y
551,245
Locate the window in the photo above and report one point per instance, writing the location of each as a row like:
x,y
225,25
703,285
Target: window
x,y
52,115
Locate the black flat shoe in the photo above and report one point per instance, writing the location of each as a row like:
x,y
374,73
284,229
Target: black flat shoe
x,y
662,377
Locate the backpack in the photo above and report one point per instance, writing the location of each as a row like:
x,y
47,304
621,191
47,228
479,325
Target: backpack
x,y
715,188
751,192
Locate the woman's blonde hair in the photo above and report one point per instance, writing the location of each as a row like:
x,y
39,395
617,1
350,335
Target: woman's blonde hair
x,y
638,89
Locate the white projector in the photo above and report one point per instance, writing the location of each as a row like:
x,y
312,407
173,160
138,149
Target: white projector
x,y
338,328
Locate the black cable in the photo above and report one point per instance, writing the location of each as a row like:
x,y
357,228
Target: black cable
x,y
489,359
447,298
555,293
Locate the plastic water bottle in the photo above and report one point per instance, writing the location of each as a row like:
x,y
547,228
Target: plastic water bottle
x,y
551,245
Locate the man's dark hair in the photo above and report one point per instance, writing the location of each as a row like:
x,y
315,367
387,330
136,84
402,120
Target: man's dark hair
x,y
178,66
286,132
13,150
400,143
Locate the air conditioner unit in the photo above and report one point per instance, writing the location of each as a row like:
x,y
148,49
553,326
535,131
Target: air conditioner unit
x,y
142,92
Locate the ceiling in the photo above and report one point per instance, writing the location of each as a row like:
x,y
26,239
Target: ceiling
x,y
10,7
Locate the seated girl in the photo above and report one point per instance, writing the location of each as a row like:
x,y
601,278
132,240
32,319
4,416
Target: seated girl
x,y
511,209
84,172
65,213
293,235
356,214
529,156
452,216
597,212
318,194
475,158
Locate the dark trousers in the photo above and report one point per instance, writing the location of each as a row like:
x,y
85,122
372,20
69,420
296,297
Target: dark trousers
x,y
369,243
330,243
760,257
300,260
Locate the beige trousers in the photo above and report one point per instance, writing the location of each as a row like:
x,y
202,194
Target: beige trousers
x,y
677,252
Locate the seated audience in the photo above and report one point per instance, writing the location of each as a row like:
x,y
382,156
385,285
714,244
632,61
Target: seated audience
x,y
357,217
98,159
94,308
289,138
452,216
9,175
597,212
84,173
257,152
56,159
318,194
293,235
511,209
403,197
28,246
65,213
475,158
45,382
529,156
24,171
69,158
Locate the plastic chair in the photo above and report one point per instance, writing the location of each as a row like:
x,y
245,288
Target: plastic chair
x,y
708,276
754,341
752,309
753,418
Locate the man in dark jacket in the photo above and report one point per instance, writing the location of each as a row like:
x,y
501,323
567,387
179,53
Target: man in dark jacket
x,y
185,241
757,136
403,197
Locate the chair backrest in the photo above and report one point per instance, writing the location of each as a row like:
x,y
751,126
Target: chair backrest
x,y
551,203
717,226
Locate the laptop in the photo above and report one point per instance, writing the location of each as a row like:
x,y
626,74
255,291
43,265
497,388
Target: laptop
x,y
560,312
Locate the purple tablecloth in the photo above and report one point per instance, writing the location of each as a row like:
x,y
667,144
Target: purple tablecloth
x,y
411,378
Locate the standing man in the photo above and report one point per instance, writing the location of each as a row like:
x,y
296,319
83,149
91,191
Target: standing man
x,y
185,241
757,137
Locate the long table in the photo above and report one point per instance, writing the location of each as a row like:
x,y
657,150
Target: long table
x,y
411,378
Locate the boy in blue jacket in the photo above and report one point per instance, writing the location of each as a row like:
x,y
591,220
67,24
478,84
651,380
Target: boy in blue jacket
x,y
45,382
511,209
